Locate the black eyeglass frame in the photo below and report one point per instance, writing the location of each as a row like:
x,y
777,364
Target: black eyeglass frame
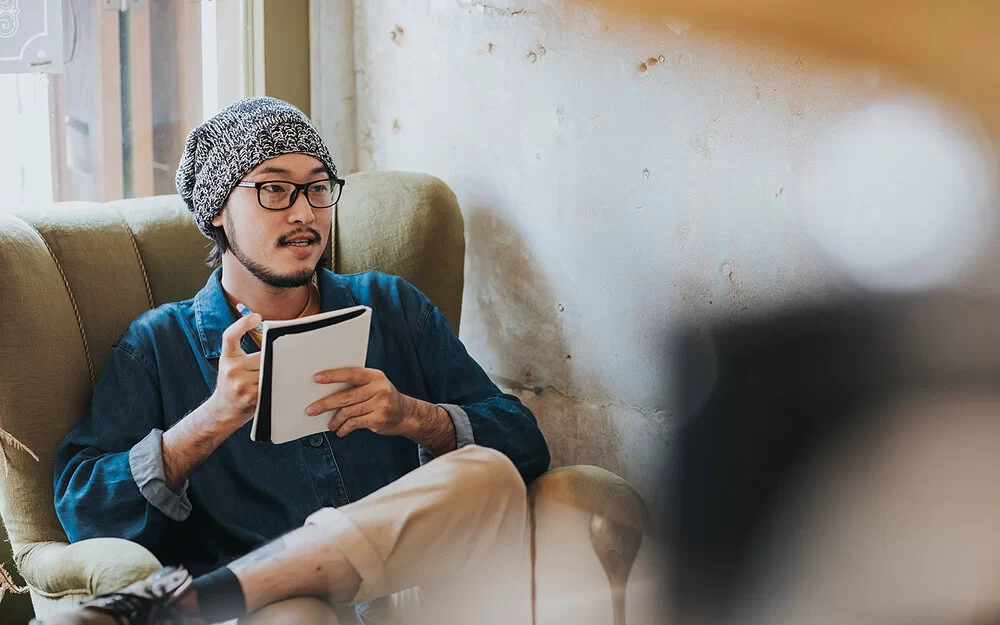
x,y
295,192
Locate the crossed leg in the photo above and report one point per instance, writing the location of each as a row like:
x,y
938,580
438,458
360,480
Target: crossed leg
x,y
452,534
446,543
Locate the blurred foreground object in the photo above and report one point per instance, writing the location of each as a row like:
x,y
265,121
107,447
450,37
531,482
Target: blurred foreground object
x,y
840,464
902,195
949,47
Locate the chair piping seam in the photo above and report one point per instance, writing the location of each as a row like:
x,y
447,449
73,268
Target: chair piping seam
x,y
72,300
138,256
60,594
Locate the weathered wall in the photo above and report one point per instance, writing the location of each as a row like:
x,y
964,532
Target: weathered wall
x,y
617,180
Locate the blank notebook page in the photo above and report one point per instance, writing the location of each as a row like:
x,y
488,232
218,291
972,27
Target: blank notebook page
x,y
293,353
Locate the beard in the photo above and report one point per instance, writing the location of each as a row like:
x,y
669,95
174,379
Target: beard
x,y
262,273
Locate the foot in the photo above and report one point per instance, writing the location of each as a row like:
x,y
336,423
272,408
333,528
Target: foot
x,y
152,601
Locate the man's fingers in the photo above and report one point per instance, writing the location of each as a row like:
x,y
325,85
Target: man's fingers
x,y
346,397
234,333
356,423
351,412
352,375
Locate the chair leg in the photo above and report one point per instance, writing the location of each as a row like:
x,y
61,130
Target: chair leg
x,y
617,547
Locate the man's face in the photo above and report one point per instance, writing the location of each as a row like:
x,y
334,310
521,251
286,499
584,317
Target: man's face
x,y
279,247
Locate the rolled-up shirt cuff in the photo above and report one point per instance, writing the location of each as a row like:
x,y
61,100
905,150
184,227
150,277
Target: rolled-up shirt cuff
x,y
145,460
463,431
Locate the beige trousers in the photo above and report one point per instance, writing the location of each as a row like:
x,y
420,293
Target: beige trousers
x,y
446,543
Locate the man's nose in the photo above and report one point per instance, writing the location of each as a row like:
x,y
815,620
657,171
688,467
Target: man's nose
x,y
300,211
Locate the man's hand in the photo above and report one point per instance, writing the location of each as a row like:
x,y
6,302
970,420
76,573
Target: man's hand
x,y
235,396
373,403
193,439
376,405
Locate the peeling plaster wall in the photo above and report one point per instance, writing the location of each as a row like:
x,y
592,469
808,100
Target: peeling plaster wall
x,y
616,181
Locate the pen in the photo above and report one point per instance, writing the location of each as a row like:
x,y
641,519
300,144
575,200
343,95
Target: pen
x,y
244,311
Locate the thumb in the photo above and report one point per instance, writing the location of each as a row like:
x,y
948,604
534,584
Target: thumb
x,y
234,333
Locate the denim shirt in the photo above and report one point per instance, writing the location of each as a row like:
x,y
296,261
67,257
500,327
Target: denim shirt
x,y
109,470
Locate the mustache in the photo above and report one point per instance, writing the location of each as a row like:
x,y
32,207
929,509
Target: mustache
x,y
298,234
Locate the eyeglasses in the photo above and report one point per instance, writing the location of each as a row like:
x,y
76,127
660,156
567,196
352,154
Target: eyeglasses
x,y
276,195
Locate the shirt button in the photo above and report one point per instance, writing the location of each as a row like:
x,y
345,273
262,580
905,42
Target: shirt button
x,y
316,440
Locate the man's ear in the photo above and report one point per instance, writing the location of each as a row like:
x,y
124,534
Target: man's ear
x,y
217,221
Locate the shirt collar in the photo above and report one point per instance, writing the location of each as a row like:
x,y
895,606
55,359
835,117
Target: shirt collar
x,y
213,314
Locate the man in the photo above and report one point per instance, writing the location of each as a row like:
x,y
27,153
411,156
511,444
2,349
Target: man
x,y
164,458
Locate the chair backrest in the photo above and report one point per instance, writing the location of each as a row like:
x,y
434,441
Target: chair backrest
x,y
74,275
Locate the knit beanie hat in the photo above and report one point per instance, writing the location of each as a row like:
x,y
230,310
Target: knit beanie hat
x,y
223,149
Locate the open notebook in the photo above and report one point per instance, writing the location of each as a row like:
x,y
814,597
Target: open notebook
x,y
291,353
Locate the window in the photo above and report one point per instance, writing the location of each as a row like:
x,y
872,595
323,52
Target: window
x,y
111,122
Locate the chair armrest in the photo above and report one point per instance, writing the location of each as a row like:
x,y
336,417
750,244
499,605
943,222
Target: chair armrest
x,y
596,491
89,567
618,520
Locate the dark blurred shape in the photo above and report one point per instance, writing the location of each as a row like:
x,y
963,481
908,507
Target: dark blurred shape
x,y
786,388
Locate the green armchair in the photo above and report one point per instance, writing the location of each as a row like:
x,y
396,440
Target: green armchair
x,y
74,275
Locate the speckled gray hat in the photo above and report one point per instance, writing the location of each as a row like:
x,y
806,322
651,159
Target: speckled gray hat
x,y
219,152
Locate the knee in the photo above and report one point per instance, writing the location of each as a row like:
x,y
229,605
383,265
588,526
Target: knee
x,y
295,611
487,471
